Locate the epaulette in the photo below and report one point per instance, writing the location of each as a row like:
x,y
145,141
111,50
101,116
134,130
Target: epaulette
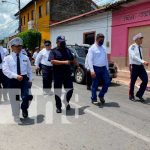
x,y
133,47
24,54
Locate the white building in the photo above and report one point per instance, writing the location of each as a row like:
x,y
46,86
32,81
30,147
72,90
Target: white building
x,y
82,29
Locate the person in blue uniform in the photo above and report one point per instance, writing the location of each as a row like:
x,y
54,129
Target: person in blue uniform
x,y
62,59
17,68
137,69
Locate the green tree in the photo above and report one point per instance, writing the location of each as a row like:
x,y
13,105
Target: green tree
x,y
31,39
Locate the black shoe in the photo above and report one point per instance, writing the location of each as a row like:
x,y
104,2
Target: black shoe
x,y
141,99
131,98
25,113
58,111
68,107
102,100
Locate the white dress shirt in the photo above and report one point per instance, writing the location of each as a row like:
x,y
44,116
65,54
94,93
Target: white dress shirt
x,y
134,55
35,55
97,56
42,58
10,66
4,52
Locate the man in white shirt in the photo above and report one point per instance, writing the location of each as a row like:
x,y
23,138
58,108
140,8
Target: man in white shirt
x,y
3,79
35,54
98,65
17,68
47,68
137,69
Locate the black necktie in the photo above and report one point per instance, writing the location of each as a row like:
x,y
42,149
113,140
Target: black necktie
x,y
0,58
18,65
140,52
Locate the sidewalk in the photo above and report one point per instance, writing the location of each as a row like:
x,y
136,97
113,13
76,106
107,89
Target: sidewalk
x,y
124,78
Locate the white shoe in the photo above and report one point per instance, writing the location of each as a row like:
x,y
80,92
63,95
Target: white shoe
x,y
17,120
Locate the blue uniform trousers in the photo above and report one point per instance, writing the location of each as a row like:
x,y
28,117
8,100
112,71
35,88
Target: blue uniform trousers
x,y
62,79
101,74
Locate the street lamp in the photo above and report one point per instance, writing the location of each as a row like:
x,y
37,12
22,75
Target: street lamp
x,y
19,7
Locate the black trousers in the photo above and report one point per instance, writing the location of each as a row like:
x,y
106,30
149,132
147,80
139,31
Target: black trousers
x,y
47,73
3,80
138,71
62,79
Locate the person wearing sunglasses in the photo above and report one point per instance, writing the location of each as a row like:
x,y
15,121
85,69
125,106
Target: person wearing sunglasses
x,y
47,68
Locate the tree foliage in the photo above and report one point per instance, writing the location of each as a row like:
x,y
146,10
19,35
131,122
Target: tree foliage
x,y
31,39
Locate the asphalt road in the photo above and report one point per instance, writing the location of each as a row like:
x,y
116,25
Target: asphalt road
x,y
119,125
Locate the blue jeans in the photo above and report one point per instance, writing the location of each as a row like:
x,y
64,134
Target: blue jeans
x,y
101,74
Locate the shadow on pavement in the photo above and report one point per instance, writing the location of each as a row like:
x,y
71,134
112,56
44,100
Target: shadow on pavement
x,y
147,101
114,84
72,112
110,104
31,121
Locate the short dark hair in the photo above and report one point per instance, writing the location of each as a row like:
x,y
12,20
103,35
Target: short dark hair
x,y
99,35
47,42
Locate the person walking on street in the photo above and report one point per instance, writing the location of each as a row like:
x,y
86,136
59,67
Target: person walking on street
x,y
37,50
47,67
17,68
3,79
98,64
137,69
62,58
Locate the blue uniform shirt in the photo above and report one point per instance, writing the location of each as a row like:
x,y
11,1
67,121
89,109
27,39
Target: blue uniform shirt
x,y
61,55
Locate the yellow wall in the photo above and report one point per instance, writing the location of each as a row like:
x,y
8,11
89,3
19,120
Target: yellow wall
x,y
42,23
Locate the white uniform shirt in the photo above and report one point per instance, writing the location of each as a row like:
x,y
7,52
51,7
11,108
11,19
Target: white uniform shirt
x,y
4,52
97,56
10,66
134,55
42,58
35,55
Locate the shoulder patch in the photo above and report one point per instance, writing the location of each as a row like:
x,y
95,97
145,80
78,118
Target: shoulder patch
x,y
24,54
133,47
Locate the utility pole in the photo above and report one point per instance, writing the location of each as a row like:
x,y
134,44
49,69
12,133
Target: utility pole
x,y
19,5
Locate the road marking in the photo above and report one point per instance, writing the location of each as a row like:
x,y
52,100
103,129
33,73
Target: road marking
x,y
113,123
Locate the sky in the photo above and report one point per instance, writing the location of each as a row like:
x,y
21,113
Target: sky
x,y
8,23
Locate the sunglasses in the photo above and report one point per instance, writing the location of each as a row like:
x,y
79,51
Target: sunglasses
x,y
17,45
47,45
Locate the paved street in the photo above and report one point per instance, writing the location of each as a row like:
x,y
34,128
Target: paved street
x,y
119,125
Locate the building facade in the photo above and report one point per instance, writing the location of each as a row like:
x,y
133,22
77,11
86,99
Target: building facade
x,y
127,21
83,28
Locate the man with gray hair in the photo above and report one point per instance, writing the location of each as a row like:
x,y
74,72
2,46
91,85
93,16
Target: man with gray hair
x,y
17,68
137,68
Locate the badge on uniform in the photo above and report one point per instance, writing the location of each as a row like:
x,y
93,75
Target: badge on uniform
x,y
133,47
24,60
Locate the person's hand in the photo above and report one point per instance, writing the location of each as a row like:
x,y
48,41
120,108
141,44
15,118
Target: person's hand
x,y
146,63
68,62
19,78
93,75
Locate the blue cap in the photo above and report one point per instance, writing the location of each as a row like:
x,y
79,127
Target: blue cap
x,y
60,39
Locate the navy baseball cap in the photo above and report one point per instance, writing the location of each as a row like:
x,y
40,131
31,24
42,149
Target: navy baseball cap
x,y
60,39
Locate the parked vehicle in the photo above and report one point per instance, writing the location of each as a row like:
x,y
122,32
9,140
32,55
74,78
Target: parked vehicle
x,y
80,52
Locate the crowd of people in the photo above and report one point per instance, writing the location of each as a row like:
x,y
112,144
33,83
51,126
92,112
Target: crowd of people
x,y
55,64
